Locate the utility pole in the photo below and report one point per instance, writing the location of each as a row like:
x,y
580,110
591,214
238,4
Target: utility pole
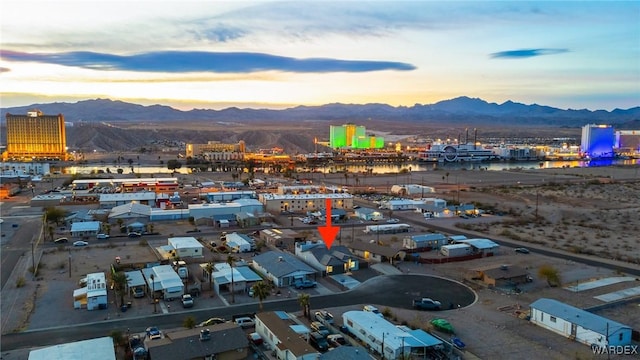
x,y
33,261
537,204
153,292
353,233
69,262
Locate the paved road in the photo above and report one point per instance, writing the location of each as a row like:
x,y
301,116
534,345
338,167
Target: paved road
x,y
392,290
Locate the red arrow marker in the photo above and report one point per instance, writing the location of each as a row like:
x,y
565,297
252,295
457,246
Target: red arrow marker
x,y
328,232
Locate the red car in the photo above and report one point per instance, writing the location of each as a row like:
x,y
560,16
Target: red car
x,y
255,338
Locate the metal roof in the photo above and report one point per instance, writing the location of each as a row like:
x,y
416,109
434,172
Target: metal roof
x,y
480,243
86,226
100,349
134,278
582,318
187,242
281,263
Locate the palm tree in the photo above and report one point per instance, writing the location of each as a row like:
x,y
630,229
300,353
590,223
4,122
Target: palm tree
x,y
209,269
118,339
119,280
305,302
261,291
231,260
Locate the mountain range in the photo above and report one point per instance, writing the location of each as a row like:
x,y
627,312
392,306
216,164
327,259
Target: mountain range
x,y
470,111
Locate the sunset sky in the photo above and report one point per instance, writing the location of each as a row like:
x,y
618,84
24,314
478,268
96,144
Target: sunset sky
x,y
273,54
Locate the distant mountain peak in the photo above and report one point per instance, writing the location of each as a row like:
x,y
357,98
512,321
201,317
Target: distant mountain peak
x,y
462,109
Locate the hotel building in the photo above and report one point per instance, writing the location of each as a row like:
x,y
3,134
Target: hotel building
x,y
353,137
216,149
35,136
597,141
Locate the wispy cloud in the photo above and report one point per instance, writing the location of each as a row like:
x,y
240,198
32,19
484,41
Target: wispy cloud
x,y
201,61
526,53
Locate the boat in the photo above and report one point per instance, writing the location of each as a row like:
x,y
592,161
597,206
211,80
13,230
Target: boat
x,y
442,325
457,153
457,342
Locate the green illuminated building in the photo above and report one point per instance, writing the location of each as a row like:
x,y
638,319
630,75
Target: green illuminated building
x,y
351,136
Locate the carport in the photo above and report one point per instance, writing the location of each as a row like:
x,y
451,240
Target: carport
x,y
135,279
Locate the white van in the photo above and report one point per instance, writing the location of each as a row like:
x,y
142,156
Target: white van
x,y
245,322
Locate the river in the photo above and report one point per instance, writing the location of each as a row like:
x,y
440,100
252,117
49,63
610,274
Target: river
x,y
379,168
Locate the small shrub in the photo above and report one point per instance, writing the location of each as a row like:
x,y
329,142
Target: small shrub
x,y
387,312
20,282
189,322
143,242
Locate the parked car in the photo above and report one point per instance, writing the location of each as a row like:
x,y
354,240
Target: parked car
x,y
393,221
324,317
102,236
426,304
153,333
61,240
373,309
318,341
255,338
319,328
187,301
304,284
134,234
80,243
245,322
212,321
522,250
336,340
138,292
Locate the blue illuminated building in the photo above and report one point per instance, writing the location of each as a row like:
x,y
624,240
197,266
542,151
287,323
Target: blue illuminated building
x,y
597,141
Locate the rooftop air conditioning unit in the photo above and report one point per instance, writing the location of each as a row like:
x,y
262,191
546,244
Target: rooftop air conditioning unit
x,y
205,335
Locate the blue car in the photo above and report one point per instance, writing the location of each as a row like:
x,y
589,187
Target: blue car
x,y
153,333
304,284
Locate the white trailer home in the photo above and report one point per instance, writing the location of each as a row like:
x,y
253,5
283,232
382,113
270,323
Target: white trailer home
x,y
164,279
398,342
579,325
239,243
422,241
94,295
456,250
387,229
183,247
